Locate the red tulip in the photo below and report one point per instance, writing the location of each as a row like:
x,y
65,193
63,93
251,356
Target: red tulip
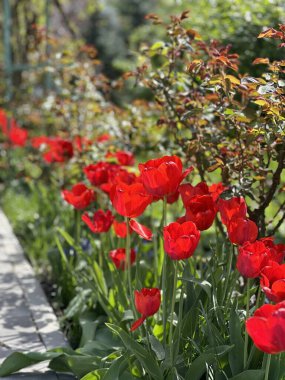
x,y
104,137
232,208
172,198
162,176
201,210
181,220
252,258
125,158
147,302
79,196
120,229
129,200
81,143
267,328
38,141
101,221
3,121
180,240
216,190
277,251
116,176
119,257
242,230
141,230
59,150
98,174
272,281
188,191
17,136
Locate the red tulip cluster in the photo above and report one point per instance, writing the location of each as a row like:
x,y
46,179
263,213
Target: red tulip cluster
x,y
105,175
258,258
56,149
162,178
59,150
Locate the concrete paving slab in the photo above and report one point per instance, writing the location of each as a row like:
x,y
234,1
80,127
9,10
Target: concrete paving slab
x,y
27,321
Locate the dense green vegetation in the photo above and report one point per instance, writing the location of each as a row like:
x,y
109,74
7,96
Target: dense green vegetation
x,y
142,167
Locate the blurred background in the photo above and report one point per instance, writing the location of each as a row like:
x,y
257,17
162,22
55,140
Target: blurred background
x,y
118,29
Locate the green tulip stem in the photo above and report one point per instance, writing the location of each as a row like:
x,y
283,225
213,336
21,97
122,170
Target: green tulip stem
x,y
229,270
258,298
164,319
266,376
128,264
247,315
180,316
172,312
77,218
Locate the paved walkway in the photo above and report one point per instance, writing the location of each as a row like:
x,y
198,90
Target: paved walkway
x,y
27,322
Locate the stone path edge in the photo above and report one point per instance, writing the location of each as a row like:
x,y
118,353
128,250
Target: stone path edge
x,y
35,326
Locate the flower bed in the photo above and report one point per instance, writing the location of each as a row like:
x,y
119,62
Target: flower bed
x,y
165,259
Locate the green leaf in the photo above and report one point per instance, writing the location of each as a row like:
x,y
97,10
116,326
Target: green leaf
x,y
157,347
77,304
158,48
157,45
236,355
274,369
116,368
88,323
205,285
66,236
100,279
61,251
95,375
77,364
19,360
199,365
104,343
282,364
146,360
254,374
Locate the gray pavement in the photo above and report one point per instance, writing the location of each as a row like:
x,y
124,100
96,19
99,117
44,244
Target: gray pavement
x,y
27,321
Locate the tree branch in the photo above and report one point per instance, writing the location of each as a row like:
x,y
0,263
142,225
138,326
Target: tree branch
x,y
275,183
65,18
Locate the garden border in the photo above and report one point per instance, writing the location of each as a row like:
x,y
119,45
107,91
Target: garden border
x,y
27,321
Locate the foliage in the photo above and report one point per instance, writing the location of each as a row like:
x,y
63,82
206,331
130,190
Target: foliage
x,y
227,127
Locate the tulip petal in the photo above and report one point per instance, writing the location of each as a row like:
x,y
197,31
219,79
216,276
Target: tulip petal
x,y
261,334
137,323
278,288
187,171
141,230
